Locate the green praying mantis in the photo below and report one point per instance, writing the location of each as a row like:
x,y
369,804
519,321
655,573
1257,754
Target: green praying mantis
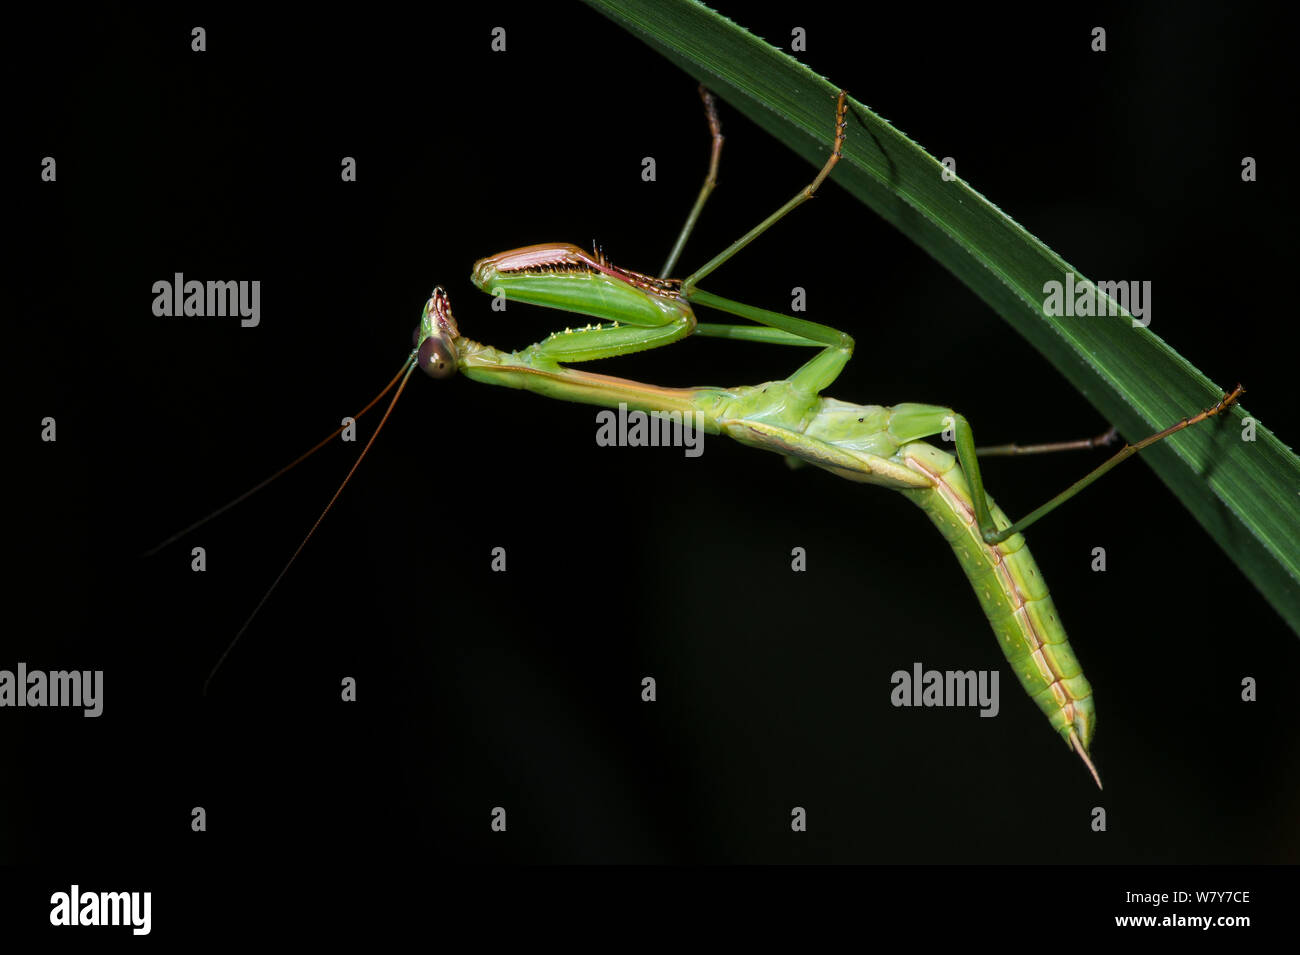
x,y
870,444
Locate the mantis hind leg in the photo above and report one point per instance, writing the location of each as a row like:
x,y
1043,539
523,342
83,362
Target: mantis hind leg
x,y
1105,439
967,455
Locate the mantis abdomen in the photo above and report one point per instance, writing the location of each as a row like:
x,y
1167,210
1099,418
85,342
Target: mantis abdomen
x,y
1014,596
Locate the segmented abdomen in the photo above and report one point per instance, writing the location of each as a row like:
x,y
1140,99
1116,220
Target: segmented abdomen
x,y
1014,597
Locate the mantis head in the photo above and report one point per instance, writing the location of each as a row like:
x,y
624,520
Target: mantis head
x,y
436,337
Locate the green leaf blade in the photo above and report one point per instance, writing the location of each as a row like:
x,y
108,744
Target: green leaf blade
x,y
1246,494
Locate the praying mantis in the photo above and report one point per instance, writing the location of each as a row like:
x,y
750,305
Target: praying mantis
x,y
869,444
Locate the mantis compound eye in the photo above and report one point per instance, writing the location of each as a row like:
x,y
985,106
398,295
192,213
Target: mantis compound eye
x,y
437,357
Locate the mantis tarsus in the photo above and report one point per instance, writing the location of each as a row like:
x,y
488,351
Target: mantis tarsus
x,y
866,443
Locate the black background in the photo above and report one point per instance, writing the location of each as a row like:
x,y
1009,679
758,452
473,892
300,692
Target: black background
x,y
522,689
